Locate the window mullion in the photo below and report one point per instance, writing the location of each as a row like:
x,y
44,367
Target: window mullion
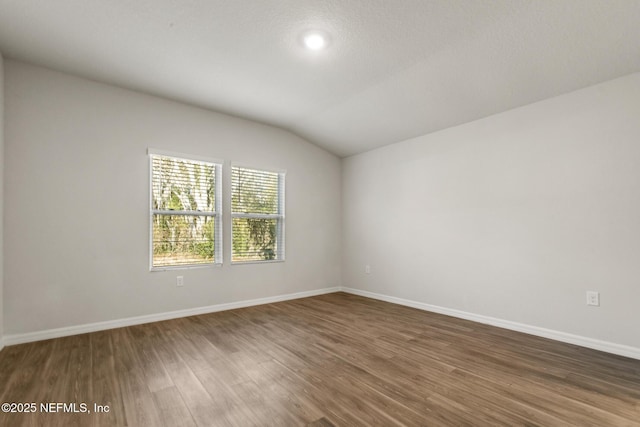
x,y
254,215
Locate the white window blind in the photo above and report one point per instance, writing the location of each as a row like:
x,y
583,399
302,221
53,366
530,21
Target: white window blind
x,y
186,223
257,211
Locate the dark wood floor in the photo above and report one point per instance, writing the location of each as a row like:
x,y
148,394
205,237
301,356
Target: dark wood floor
x,y
335,359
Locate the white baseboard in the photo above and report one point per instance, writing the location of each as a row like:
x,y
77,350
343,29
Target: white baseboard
x,y
609,347
138,320
606,346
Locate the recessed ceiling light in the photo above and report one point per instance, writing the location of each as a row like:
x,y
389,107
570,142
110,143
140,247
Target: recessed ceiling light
x,y
315,40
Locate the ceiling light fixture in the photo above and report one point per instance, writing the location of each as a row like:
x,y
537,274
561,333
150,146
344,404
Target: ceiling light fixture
x,y
315,40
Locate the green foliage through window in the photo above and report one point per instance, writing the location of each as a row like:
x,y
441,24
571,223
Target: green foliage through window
x,y
257,203
184,211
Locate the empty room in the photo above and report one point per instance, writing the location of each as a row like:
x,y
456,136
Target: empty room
x,y
319,213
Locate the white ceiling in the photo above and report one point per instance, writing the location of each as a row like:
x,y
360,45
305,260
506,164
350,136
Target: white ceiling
x,y
395,69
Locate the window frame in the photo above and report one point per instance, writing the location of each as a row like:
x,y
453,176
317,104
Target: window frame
x,y
217,214
280,216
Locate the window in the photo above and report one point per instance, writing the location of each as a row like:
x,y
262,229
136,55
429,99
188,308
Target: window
x,y
186,221
257,211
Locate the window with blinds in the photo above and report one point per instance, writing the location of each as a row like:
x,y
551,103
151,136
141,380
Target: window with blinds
x,y
186,223
257,215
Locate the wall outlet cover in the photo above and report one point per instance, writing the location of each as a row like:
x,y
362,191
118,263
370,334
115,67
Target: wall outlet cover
x,y
593,298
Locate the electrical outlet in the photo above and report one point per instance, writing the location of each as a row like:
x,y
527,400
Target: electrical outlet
x,y
180,281
593,298
367,269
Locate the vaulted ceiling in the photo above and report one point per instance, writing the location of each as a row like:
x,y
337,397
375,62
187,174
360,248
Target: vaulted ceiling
x,y
394,69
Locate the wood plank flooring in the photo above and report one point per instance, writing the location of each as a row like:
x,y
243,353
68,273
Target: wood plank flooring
x,y
331,360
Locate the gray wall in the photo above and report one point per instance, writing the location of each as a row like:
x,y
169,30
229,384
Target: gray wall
x,y
1,199
77,201
513,216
